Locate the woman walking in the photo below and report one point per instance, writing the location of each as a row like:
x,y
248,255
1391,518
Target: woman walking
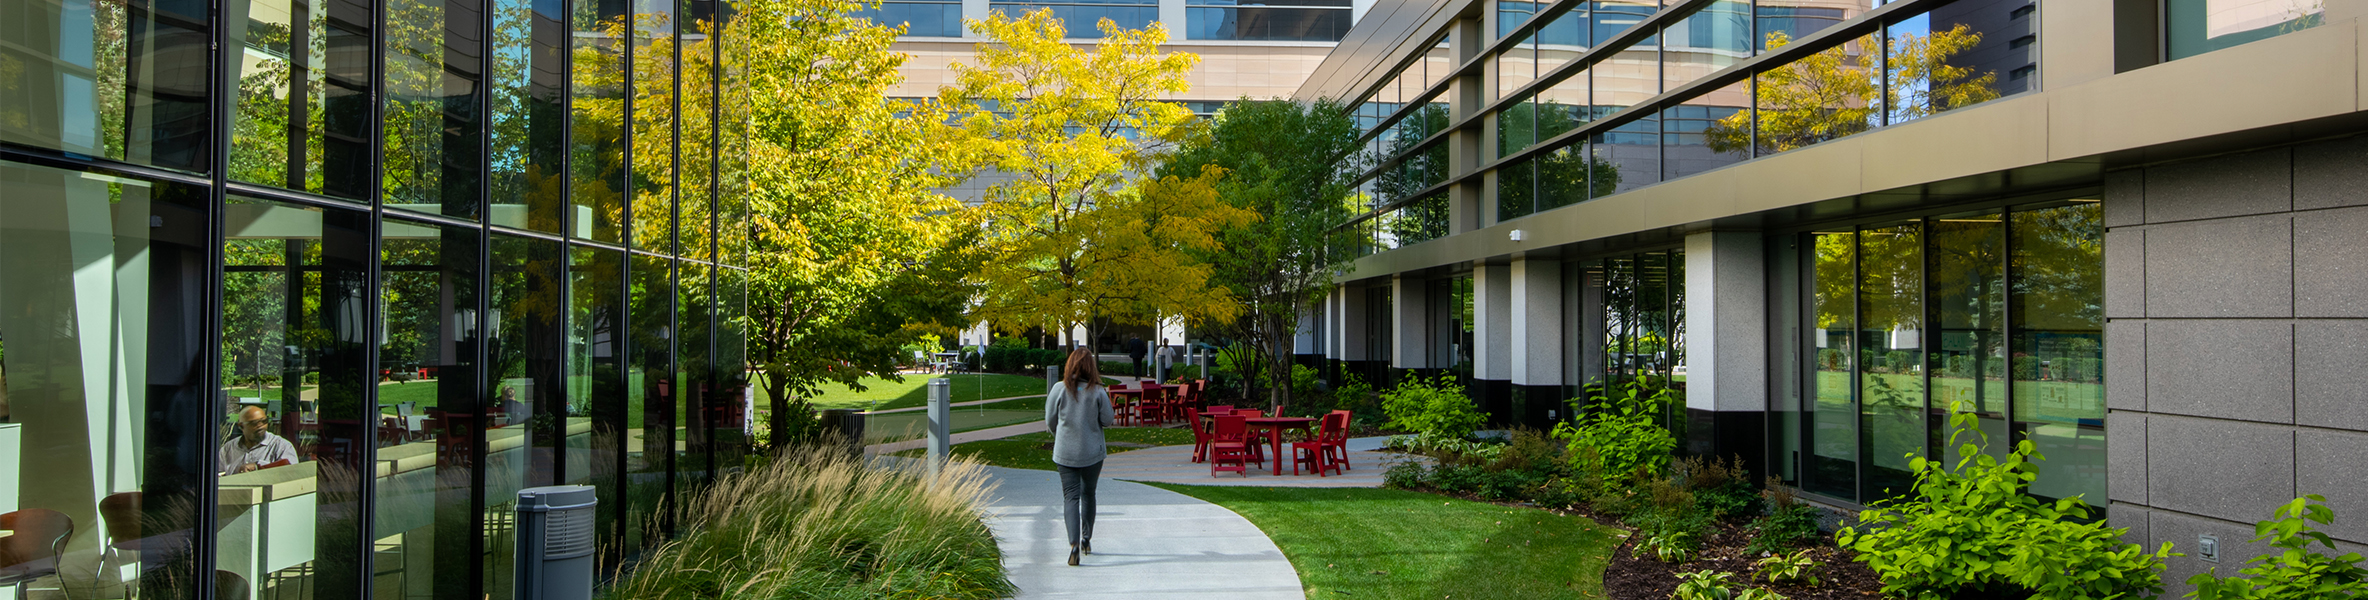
x,y
1076,410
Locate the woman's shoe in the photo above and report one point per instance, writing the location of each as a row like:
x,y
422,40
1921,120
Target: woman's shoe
x,y
1072,556
1087,546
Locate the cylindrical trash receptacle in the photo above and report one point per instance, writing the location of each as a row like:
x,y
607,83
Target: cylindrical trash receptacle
x,y
555,542
847,425
1052,375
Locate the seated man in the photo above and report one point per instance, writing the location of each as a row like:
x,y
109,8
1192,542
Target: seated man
x,y
256,447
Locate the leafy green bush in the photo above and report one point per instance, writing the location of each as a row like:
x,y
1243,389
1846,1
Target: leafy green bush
x,y
1621,436
1671,547
1720,487
1434,407
1972,527
2296,573
1796,567
1784,528
815,523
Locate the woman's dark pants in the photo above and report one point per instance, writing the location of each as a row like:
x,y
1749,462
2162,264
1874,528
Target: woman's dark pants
x,y
1077,498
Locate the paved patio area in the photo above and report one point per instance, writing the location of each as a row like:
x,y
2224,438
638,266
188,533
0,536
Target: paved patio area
x,y
1173,464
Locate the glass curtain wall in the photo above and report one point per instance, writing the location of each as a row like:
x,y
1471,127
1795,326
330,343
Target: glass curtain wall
x,y
450,249
1995,313
1628,323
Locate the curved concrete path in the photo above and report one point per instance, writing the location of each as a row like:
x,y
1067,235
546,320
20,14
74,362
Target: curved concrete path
x,y
1149,544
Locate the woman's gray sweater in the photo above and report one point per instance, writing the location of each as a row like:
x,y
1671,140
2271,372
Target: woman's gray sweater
x,y
1076,423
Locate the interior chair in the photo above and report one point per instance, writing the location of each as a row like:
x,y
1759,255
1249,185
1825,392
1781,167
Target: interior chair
x,y
119,519
37,537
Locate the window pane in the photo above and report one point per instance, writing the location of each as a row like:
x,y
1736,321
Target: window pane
x,y
102,372
429,411
1613,16
2059,392
654,115
122,80
1832,467
529,417
1704,42
1516,67
1275,21
1516,127
596,158
596,391
1418,221
2199,26
295,333
921,19
696,227
1956,57
1516,190
1699,135
1570,175
650,398
528,116
1968,354
1563,106
1891,354
1562,38
1082,21
693,293
285,83
1782,21
1824,96
731,396
430,113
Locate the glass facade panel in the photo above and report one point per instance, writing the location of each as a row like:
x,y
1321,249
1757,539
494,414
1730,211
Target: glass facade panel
x,y
1516,66
297,414
106,421
529,428
920,19
1891,355
1268,20
1081,18
1968,308
1832,428
1713,38
1782,21
1563,107
300,120
1516,189
528,118
1958,55
655,118
2199,26
1706,132
596,389
120,80
2058,326
429,421
649,399
431,114
1570,175
596,156
1826,96
1511,15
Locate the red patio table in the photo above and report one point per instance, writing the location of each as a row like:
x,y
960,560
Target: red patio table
x,y
1137,403
1274,427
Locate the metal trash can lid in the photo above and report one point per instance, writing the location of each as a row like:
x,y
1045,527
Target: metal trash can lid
x,y
556,497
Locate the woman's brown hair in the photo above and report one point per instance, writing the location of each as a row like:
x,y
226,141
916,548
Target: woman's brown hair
x,y
1083,366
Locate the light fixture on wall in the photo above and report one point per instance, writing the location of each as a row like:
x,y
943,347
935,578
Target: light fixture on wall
x,y
1517,234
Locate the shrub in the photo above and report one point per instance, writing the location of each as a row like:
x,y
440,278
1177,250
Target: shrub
x,y
1704,585
2296,573
1673,547
815,523
1973,527
1435,408
1720,487
1405,475
1784,528
1620,437
1796,567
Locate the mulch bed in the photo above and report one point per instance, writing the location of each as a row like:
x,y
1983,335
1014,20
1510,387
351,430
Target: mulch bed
x,y
1632,577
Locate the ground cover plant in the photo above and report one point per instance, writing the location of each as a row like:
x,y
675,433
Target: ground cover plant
x,y
1034,450
2296,571
1374,543
815,523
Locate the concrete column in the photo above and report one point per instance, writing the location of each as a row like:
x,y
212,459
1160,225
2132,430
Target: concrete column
x,y
1537,334
1492,323
1351,333
1726,322
1410,342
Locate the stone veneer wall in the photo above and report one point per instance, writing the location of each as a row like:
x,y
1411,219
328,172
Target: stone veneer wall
x,y
2236,298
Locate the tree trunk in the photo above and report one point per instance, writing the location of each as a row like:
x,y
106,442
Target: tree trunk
x,y
777,392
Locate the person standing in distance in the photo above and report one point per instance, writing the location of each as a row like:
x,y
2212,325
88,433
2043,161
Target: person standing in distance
x,y
1076,410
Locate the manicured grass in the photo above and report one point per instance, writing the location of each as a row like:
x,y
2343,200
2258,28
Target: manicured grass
x,y
914,390
1027,451
1372,543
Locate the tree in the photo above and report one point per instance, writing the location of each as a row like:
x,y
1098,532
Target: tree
x,y
1841,91
1280,156
1076,233
852,254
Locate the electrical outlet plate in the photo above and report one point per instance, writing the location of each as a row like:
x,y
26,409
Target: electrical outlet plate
x,y
2207,547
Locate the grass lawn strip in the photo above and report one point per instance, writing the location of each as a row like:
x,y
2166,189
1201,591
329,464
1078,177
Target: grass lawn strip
x,y
1027,451
914,390
1373,543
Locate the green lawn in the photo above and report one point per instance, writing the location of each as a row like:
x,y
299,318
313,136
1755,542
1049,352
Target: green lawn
x,y
1028,451
1370,543
913,391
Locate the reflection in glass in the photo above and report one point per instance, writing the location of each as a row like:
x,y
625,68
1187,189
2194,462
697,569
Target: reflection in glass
x,y
121,80
649,397
1704,42
596,156
694,292
296,322
921,19
654,121
696,227
282,84
1512,14
1418,221
1267,20
431,115
1937,65
527,418
730,397
1891,354
1563,106
1832,462
1562,39
1516,66
1968,353
1825,96
1796,19
2059,345
1516,189
528,116
1629,77
596,387
1570,175
1686,144
428,416
1083,15
102,302
2199,26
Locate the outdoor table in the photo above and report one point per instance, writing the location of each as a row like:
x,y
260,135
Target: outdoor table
x,y
1274,427
1136,393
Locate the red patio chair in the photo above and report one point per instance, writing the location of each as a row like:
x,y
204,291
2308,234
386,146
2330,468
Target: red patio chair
x,y
1312,452
1149,409
1335,443
1231,446
1200,437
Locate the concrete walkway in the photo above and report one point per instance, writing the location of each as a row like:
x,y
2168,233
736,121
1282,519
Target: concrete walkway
x,y
1149,544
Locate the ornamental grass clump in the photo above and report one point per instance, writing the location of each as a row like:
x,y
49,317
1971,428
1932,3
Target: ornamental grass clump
x,y
816,523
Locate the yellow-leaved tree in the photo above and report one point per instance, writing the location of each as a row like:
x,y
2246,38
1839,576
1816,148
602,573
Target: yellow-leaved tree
x,y
1076,229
